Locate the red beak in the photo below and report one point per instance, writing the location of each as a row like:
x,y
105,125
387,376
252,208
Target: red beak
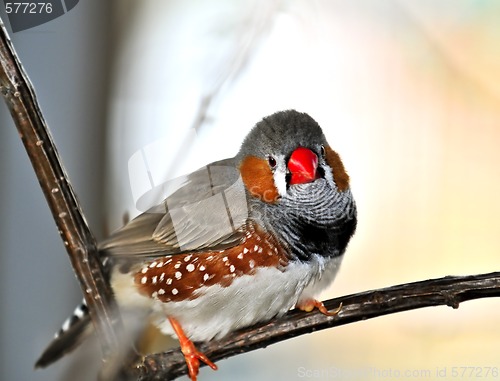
x,y
303,165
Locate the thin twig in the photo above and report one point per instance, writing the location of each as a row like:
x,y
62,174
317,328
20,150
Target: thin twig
x,y
80,244
449,291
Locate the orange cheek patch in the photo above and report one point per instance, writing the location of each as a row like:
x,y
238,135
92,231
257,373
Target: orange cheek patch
x,y
258,179
339,174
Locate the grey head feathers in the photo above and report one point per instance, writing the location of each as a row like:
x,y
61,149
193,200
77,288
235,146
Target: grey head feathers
x,y
281,133
313,218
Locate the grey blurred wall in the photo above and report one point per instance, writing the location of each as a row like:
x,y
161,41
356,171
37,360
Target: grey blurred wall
x,y
67,61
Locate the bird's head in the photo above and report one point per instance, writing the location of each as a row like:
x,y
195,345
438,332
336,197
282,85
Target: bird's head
x,y
285,152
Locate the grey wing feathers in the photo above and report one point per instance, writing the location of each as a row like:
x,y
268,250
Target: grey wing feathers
x,y
208,212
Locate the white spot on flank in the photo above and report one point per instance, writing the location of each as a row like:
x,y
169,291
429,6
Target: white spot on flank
x,y
260,250
177,265
245,250
154,295
169,260
144,279
161,291
205,277
251,263
231,268
190,267
155,279
152,265
175,291
187,258
178,275
169,281
240,256
210,257
255,248
202,268
144,270
224,259
160,264
162,276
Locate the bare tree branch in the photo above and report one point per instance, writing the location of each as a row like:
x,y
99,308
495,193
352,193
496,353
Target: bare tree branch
x,y
76,235
448,291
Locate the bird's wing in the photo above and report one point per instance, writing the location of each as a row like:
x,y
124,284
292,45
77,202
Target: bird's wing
x,y
208,212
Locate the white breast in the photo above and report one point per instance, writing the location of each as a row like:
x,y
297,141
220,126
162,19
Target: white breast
x,y
248,300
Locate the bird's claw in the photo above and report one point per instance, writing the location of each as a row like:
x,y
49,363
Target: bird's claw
x,y
193,358
192,355
310,304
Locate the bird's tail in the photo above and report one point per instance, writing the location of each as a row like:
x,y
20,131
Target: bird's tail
x,y
74,330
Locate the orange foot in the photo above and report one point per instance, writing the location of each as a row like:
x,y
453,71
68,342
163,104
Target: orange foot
x,y
191,354
310,304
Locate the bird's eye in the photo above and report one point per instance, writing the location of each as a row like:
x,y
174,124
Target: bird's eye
x,y
322,150
272,161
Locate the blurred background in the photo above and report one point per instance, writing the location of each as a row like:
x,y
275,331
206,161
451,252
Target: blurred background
x,y
407,92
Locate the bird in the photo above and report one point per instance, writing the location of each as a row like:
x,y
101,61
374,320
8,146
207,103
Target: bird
x,y
243,240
